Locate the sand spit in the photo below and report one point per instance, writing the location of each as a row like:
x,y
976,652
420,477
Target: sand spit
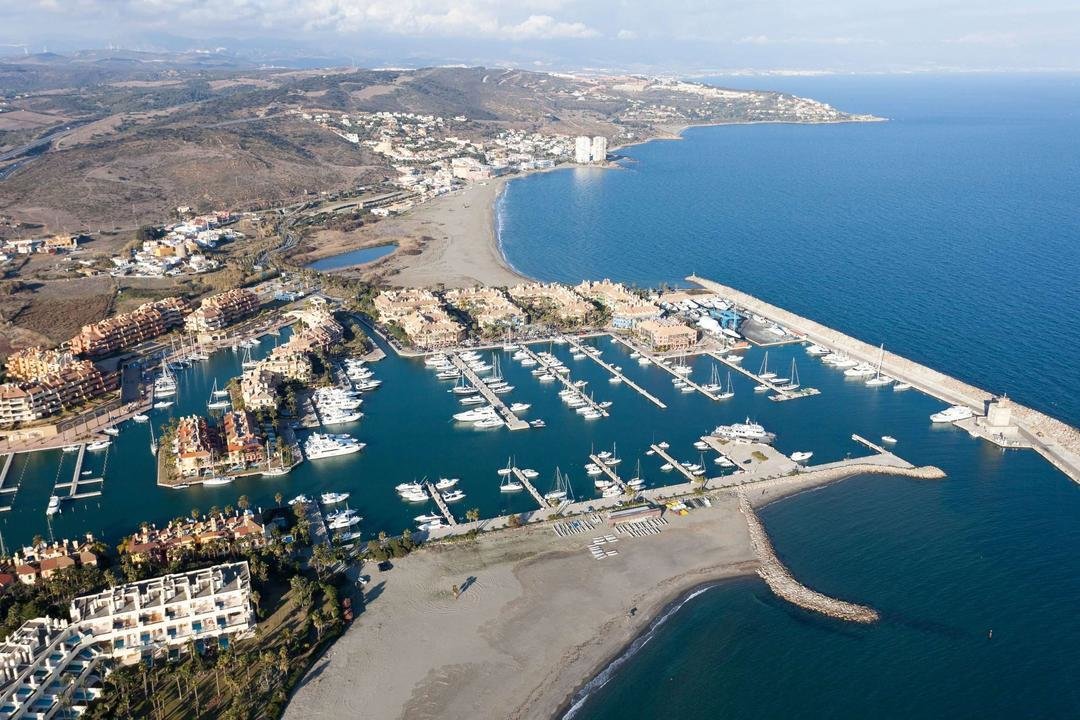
x,y
780,581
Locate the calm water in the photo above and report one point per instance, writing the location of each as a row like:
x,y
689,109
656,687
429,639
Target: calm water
x,y
352,258
950,234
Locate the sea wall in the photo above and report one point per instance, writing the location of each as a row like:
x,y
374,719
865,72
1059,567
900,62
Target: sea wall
x,y
1058,442
781,582
777,487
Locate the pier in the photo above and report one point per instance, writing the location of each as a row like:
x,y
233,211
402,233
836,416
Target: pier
x,y
74,490
320,535
443,507
609,471
618,373
662,364
565,380
8,459
1055,440
780,395
511,420
675,464
529,486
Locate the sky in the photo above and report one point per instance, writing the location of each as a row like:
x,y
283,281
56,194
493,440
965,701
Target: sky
x,y
672,35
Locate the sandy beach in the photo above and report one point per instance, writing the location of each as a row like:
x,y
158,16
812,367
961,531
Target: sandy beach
x,y
537,619
450,241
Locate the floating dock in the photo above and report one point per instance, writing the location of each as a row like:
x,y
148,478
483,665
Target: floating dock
x,y
675,464
8,459
780,395
608,470
565,380
511,420
662,364
443,507
530,487
615,372
77,488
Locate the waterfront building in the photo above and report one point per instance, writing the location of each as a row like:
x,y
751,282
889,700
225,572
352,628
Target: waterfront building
x,y
582,150
52,382
666,334
44,560
488,307
180,538
146,322
259,386
243,444
552,302
196,446
140,620
420,316
49,666
625,307
598,149
219,311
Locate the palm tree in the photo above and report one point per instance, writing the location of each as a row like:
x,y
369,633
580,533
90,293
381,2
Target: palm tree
x,y
472,515
278,498
244,503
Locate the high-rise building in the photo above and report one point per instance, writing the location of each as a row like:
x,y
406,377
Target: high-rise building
x,y
582,150
599,149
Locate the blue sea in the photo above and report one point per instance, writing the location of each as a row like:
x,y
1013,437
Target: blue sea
x,y
951,234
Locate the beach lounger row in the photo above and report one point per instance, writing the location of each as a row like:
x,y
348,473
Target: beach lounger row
x,y
572,527
641,528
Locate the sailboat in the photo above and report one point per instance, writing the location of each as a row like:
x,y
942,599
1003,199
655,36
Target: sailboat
x,y
509,344
879,379
153,441
217,402
560,487
510,484
165,385
763,372
247,363
729,392
637,481
794,383
272,471
714,381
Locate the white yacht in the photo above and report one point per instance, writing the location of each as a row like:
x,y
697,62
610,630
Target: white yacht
x,y
140,417
320,445
453,496
98,445
862,369
300,500
54,505
409,487
748,430
492,422
446,483
341,417
817,350
888,439
163,404
801,456
476,414
165,384
111,431
952,414
332,498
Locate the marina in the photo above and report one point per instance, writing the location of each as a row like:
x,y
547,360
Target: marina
x,y
508,417
568,383
616,372
441,504
779,393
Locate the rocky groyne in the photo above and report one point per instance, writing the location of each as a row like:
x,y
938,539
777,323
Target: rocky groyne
x,y
781,582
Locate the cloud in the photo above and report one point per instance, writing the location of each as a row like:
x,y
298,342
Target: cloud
x,y
627,35
994,39
489,19
839,40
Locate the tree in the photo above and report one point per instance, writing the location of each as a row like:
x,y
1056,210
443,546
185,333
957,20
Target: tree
x,y
514,520
195,513
244,503
278,498
456,591
472,515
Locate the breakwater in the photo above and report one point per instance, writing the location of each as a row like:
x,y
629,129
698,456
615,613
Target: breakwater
x,y
1055,440
776,487
781,582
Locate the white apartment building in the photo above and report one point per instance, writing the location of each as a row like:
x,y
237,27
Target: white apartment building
x,y
143,619
599,149
582,150
48,666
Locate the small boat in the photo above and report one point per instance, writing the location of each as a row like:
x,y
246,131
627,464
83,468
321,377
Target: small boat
x,y
332,498
900,387
801,456
663,444
54,505
218,480
300,500
888,439
508,469
538,423
140,418
111,431
84,473
71,448
216,401
98,445
509,484
163,404
453,496
446,483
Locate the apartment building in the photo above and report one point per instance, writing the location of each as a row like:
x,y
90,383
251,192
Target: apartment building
x,y
146,322
625,307
243,444
143,619
552,302
67,383
196,446
420,315
489,307
48,666
182,537
219,311
665,334
31,564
